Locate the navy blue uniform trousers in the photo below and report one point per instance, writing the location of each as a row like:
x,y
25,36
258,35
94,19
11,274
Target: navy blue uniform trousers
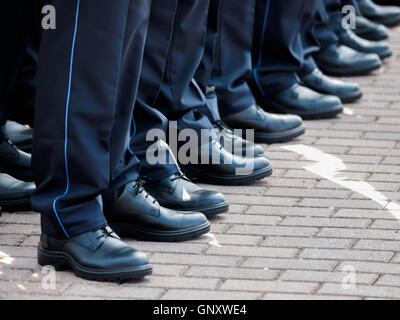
x,y
168,92
16,20
180,98
278,51
88,75
226,64
323,27
146,115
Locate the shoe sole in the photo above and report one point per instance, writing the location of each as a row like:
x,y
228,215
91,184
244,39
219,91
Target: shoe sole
x,y
198,174
61,260
208,211
372,37
335,73
24,147
280,137
16,205
131,231
312,116
19,175
388,23
352,98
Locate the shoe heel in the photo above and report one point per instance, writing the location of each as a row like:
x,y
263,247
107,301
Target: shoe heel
x,y
46,258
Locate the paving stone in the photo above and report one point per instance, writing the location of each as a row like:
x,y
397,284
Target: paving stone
x,y
302,242
325,277
252,252
339,254
176,294
289,264
269,286
361,291
231,273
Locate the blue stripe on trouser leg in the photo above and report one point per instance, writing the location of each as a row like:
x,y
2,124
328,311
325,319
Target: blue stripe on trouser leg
x,y
66,119
106,67
259,59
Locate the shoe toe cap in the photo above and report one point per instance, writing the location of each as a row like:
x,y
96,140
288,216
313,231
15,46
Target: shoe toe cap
x,y
208,197
258,150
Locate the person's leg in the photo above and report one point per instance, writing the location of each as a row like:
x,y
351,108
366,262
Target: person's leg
x,y
146,116
347,36
336,59
181,98
387,15
87,79
313,78
78,85
277,51
279,56
233,63
164,180
15,21
231,25
14,25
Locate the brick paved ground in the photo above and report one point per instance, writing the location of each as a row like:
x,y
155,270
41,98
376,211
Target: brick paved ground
x,y
288,237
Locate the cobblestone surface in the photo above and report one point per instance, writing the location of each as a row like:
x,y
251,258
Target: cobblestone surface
x,y
295,235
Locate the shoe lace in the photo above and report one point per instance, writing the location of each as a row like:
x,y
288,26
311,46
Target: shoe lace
x,y
107,232
222,126
180,175
140,189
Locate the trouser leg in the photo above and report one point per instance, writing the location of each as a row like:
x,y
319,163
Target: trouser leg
x,y
180,97
277,46
146,116
233,65
79,123
15,23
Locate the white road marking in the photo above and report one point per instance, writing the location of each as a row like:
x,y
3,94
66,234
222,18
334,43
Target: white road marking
x,y
214,242
330,167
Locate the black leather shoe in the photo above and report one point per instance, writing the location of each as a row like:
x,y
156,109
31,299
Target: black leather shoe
x,y
389,16
388,2
343,61
304,102
346,91
177,192
15,162
19,135
225,168
268,128
238,145
370,30
137,214
98,255
351,40
15,195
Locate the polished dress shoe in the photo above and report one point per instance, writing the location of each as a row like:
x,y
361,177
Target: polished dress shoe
x,y
138,215
304,102
389,16
346,91
231,141
268,128
221,167
177,192
19,135
370,30
342,61
15,162
351,40
96,255
388,2
15,195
